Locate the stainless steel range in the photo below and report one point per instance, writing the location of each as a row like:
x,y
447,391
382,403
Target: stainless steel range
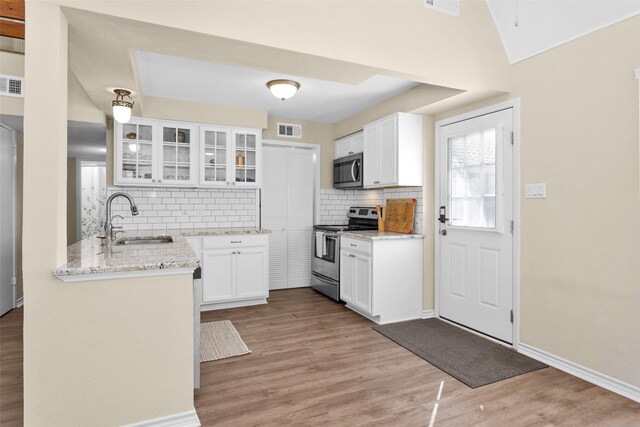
x,y
325,264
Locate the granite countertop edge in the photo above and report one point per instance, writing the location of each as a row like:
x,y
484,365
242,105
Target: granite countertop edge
x,y
88,257
380,235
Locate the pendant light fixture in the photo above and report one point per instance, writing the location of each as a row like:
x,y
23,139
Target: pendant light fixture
x,y
121,107
283,89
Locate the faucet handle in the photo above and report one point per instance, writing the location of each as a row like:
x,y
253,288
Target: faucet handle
x,y
117,216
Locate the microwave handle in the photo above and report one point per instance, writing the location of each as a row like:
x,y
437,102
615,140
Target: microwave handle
x,y
354,165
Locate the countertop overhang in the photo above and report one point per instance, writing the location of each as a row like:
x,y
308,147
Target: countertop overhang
x,y
89,260
379,235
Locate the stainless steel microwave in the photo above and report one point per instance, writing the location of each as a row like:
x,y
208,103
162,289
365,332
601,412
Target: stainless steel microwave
x,y
347,172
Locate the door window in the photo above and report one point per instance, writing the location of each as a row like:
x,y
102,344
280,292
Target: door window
x,y
472,179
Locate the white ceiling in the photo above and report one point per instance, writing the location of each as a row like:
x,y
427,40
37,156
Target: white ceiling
x,y
317,100
545,24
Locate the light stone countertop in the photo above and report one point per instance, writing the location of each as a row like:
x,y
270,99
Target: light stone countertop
x,y
89,257
379,235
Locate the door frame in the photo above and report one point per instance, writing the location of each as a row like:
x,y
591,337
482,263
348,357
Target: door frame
x,y
14,201
515,105
315,148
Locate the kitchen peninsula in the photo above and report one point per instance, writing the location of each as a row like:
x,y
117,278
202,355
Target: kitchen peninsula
x,y
142,313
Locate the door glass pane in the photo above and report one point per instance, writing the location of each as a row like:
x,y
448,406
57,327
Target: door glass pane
x,y
169,172
472,179
169,154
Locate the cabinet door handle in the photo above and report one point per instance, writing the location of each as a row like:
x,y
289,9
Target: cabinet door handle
x,y
355,246
236,241
352,256
159,180
233,183
238,252
153,180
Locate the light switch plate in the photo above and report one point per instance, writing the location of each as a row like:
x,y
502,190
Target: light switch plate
x,y
535,191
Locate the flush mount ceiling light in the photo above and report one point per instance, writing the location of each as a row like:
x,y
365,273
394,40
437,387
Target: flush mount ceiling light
x,y
121,107
283,89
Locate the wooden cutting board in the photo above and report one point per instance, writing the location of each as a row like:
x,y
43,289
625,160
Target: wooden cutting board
x,y
399,215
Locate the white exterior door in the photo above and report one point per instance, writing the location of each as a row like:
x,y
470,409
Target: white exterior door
x,y
7,209
476,217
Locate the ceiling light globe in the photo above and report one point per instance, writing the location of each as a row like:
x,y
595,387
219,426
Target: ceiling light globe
x,y
121,113
283,89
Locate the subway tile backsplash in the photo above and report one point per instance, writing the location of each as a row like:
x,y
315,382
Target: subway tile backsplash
x,y
334,204
164,209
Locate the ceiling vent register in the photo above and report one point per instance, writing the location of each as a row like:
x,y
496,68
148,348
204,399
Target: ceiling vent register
x,y
451,7
11,86
289,130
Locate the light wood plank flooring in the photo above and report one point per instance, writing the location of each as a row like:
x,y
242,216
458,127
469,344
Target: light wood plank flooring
x,y
314,362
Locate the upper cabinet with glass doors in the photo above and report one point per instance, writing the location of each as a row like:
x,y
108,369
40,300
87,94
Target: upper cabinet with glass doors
x,y
136,155
178,153
230,157
151,152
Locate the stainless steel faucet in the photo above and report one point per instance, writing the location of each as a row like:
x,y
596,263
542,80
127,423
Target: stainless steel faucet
x,y
109,228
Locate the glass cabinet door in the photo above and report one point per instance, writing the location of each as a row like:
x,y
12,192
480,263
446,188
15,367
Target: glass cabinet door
x,y
246,144
177,146
137,152
214,160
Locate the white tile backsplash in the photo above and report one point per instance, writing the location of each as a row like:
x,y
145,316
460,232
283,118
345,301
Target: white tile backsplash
x,y
164,209
334,204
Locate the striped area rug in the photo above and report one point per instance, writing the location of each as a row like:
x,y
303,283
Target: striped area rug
x,y
219,340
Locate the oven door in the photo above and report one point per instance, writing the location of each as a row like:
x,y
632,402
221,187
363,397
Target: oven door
x,y
327,265
347,172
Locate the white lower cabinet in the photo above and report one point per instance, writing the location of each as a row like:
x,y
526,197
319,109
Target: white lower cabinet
x,y
355,279
382,279
235,270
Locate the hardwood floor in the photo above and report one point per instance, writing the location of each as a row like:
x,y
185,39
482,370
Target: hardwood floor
x,y
314,362
11,390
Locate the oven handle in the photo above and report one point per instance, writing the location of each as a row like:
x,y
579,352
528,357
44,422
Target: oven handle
x,y
324,280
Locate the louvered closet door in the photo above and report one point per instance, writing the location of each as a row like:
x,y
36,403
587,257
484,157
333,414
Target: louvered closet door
x,y
300,216
274,212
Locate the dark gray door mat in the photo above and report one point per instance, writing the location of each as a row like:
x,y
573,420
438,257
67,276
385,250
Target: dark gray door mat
x,y
474,360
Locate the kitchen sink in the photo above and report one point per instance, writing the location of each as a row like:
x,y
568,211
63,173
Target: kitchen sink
x,y
144,240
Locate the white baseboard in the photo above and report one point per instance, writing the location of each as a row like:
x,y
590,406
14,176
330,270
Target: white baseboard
x,y
620,387
427,314
182,419
19,302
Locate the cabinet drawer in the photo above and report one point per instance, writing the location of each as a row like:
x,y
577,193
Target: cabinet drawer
x,y
355,245
234,240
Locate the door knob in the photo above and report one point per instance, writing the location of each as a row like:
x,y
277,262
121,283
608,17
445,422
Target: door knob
x,y
443,232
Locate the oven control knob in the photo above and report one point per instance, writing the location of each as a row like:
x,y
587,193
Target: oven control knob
x,y
352,211
373,212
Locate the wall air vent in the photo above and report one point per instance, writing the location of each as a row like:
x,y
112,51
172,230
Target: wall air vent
x,y
289,130
11,86
451,7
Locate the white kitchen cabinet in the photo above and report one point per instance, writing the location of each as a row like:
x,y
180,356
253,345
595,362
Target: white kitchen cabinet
x,y
349,145
393,151
355,279
235,269
382,279
230,156
155,153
